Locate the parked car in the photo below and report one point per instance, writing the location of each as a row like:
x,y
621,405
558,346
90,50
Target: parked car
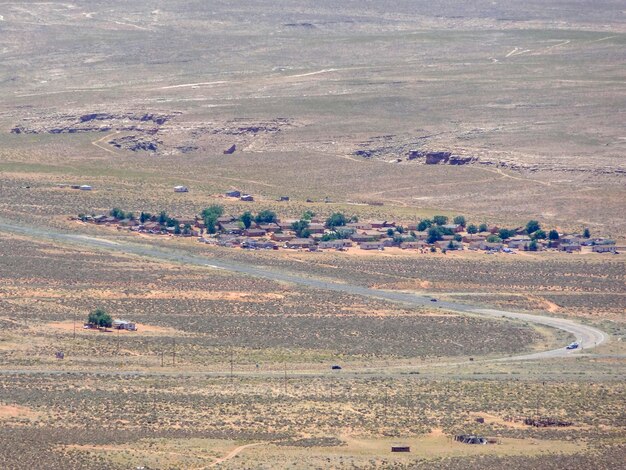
x,y
573,345
335,367
433,300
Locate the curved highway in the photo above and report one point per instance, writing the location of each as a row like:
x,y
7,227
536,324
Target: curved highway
x,y
588,336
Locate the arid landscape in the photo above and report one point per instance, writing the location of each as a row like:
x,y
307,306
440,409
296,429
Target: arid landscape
x,y
504,112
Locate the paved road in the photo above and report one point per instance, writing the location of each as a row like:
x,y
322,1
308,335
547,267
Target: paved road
x,y
588,336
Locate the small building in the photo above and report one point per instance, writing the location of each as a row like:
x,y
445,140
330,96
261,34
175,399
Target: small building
x,y
300,243
282,237
181,189
371,246
414,245
271,227
456,228
124,325
316,228
473,237
85,187
387,242
233,193
423,235
286,224
470,439
400,449
344,231
225,219
335,244
569,247
247,198
605,249
448,245
519,243
128,223
382,224
359,225
485,246
361,238
254,232
232,227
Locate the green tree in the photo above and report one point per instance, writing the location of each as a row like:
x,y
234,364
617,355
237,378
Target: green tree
x,y
266,216
458,237
539,235
505,233
100,318
162,218
424,224
328,236
460,220
301,227
434,234
472,229
210,216
117,213
586,233
144,216
307,215
483,227
494,239
532,246
336,220
246,219
532,226
553,235
440,220
400,229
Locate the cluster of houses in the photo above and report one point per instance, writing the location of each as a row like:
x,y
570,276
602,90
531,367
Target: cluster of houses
x,y
370,235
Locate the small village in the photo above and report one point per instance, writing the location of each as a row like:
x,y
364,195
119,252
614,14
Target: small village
x,y
267,231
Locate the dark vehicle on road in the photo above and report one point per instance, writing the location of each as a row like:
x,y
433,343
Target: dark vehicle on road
x,y
572,346
335,367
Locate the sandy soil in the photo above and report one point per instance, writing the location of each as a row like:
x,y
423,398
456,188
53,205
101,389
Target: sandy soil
x,y
15,411
142,329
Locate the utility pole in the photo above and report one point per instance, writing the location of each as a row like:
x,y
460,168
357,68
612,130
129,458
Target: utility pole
x,y
231,365
386,398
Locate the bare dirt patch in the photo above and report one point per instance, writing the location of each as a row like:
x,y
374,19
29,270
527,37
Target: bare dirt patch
x,y
142,329
16,411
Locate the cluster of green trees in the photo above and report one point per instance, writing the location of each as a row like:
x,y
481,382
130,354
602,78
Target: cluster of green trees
x,y
120,214
100,318
210,216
